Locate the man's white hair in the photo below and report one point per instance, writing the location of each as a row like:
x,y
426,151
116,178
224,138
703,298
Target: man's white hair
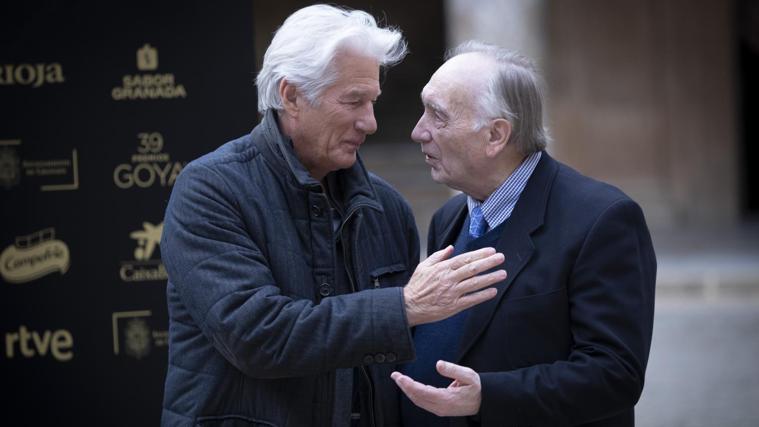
x,y
305,45
515,92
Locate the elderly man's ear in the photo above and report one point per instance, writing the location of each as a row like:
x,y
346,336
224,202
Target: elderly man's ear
x,y
288,93
500,131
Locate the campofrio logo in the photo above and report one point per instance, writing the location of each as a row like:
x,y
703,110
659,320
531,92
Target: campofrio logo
x,y
33,256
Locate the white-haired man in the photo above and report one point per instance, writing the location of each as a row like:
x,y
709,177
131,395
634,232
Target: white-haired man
x,y
566,341
285,256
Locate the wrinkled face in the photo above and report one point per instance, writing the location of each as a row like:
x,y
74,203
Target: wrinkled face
x,y
447,131
329,133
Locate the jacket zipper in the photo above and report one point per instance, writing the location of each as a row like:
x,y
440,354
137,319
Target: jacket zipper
x,y
347,258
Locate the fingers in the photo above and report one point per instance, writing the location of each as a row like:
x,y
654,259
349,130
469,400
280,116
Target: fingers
x,y
469,257
470,300
461,374
438,256
477,266
438,290
457,400
479,282
423,396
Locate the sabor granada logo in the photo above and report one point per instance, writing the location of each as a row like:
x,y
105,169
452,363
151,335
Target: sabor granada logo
x,y
33,256
146,86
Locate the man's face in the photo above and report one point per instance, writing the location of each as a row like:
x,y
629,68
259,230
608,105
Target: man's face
x,y
453,147
329,134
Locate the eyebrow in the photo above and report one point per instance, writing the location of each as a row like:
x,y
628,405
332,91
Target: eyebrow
x,y
360,93
438,108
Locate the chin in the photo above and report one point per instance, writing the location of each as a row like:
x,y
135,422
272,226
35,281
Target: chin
x,y
443,179
347,161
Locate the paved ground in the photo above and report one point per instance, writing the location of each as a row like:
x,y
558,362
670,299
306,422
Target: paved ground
x,y
704,364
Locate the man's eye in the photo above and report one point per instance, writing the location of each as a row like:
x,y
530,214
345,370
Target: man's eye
x,y
440,121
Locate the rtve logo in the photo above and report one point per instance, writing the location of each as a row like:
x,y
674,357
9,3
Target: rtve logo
x,y
29,344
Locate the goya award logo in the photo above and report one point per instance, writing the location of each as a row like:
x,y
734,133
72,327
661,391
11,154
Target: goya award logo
x,y
147,86
144,268
149,166
134,334
33,256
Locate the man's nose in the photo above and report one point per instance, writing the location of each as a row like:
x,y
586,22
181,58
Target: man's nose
x,y
367,123
420,134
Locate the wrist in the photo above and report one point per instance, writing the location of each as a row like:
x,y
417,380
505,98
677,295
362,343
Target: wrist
x,y
412,316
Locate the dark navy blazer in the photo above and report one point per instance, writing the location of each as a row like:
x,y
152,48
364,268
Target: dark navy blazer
x,y
567,338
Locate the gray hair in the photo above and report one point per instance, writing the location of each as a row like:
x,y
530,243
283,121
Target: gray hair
x,y
514,92
305,45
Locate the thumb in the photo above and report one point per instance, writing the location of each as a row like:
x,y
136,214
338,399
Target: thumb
x,y
453,371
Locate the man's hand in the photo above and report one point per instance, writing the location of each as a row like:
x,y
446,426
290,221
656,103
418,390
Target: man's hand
x,y
462,398
441,287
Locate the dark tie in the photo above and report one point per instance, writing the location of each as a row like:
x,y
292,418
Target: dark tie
x,y
477,223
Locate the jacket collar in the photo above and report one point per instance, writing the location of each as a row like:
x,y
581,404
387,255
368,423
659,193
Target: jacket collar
x,y
528,213
515,243
352,184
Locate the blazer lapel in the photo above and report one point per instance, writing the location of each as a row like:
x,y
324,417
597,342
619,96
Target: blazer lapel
x,y
450,233
516,245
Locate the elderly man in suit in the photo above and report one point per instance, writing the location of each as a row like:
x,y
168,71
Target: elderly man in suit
x,y
567,338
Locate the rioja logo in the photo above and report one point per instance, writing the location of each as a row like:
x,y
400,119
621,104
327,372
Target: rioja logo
x,y
34,75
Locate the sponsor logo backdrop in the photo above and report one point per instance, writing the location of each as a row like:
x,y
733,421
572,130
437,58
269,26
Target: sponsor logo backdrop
x,y
102,106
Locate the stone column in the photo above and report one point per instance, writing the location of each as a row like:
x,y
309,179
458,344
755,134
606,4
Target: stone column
x,y
643,97
513,24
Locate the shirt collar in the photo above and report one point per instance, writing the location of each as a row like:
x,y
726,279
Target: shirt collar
x,y
498,206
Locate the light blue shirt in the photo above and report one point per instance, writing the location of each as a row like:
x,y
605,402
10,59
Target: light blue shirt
x,y
498,206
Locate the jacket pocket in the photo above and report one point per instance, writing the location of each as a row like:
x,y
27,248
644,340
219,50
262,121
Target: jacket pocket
x,y
389,275
231,421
